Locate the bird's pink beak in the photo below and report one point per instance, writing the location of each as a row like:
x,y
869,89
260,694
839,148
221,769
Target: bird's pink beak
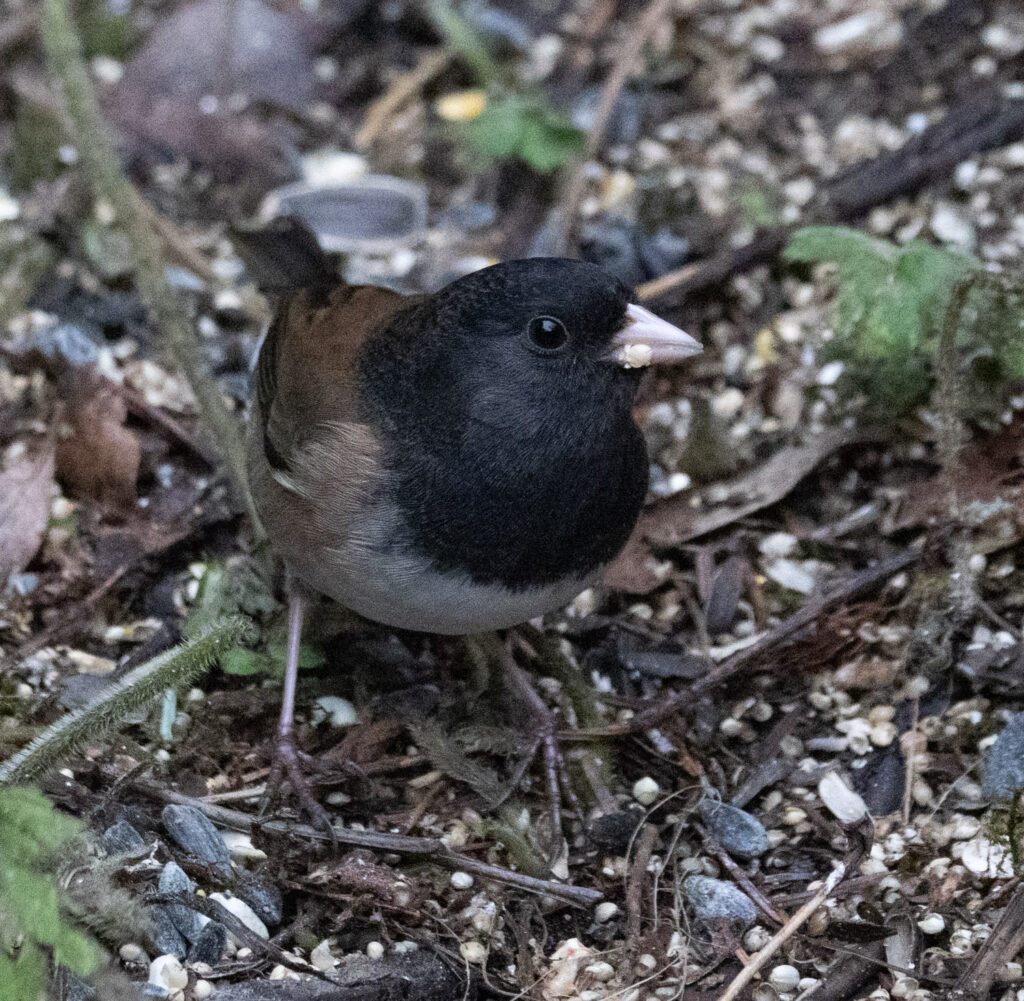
x,y
646,339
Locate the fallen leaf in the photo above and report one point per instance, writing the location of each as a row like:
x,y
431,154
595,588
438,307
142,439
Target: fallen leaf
x,y
693,513
99,458
25,489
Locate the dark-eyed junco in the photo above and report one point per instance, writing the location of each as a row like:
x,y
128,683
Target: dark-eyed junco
x,y
454,462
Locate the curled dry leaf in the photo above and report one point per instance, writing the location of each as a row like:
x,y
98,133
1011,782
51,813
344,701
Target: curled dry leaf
x,y
26,485
98,457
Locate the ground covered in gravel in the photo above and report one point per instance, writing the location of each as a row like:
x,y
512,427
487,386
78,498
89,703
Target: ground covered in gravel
x,y
790,716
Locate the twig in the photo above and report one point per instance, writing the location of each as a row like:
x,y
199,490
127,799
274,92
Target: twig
x,y
400,844
103,169
1005,942
976,123
645,843
856,586
779,939
400,90
628,54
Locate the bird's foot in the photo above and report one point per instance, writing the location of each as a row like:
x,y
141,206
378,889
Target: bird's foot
x,y
291,766
546,746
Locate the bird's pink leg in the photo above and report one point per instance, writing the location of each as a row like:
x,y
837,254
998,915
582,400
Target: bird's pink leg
x,y
286,755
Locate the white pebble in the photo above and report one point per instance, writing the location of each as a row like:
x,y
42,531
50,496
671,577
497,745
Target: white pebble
x,y
322,957
461,880
168,973
339,711
241,847
473,953
605,911
244,913
202,990
600,971
374,950
132,952
784,978
932,924
646,791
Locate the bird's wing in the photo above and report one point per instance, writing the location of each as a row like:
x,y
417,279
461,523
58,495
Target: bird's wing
x,y
305,383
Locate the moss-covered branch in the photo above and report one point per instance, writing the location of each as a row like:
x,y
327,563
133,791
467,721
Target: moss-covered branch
x,y
178,666
102,166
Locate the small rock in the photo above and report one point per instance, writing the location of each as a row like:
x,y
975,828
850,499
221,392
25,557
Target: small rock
x,y
740,834
614,831
843,803
374,950
339,711
244,913
646,791
202,989
1002,763
322,957
951,226
166,939
122,839
240,845
600,971
175,883
784,978
373,216
261,894
932,924
193,831
168,973
461,880
132,952
210,946
605,911
473,952
713,899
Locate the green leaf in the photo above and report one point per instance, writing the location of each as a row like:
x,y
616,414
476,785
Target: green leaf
x,y
524,128
24,978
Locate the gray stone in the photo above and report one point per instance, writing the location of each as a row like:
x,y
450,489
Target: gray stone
x,y
715,900
261,894
1002,764
122,839
737,831
174,882
210,945
166,940
192,830
375,215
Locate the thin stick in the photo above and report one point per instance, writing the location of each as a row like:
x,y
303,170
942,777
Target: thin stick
x,y
857,585
103,170
779,939
399,844
635,888
629,52
401,90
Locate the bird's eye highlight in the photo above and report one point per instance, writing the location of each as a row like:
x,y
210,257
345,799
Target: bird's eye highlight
x,y
547,334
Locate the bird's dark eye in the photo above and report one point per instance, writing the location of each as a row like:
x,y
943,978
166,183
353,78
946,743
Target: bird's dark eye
x,y
547,334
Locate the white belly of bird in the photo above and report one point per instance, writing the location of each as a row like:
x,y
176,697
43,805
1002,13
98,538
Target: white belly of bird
x,y
373,577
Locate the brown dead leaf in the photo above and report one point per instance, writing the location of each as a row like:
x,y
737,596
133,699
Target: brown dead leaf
x,y
99,457
693,513
25,489
990,487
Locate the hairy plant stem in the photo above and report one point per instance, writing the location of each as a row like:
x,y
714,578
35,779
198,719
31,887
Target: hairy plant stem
x,y
949,404
177,666
103,170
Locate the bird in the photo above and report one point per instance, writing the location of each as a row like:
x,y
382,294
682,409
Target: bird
x,y
452,462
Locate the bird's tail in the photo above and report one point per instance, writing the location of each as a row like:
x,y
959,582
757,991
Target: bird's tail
x,y
284,256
